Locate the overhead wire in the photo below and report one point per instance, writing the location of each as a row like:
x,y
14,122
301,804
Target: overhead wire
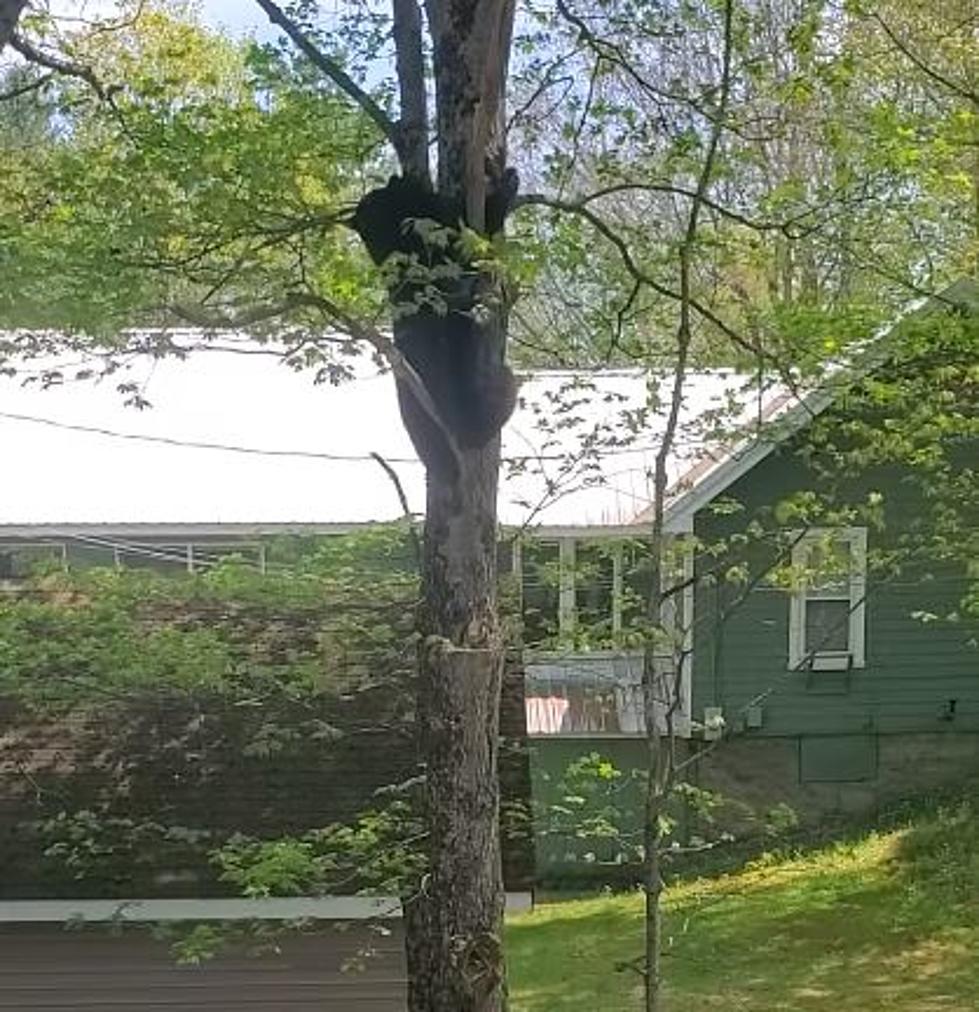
x,y
257,451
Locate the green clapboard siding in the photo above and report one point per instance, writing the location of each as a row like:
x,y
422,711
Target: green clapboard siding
x,y
918,676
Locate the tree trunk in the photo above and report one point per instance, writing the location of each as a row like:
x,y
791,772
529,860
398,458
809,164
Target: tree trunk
x,y
10,11
454,924
454,944
654,702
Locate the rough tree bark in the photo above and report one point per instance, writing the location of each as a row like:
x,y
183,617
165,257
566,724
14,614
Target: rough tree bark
x,y
455,393
454,947
454,944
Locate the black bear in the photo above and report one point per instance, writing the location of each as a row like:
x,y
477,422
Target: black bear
x,y
434,290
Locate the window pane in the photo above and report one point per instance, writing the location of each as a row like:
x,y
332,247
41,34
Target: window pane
x,y
827,625
636,583
541,574
829,568
594,576
577,697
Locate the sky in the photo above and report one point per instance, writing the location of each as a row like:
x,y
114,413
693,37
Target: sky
x,y
240,17
139,479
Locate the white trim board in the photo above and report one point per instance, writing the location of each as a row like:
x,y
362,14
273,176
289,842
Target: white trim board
x,y
320,908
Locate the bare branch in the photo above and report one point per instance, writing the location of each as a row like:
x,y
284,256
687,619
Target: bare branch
x,y
547,81
403,499
703,199
335,73
644,278
582,123
632,267
613,54
25,89
661,762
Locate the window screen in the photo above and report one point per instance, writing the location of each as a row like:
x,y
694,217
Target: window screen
x,y
827,625
594,591
540,576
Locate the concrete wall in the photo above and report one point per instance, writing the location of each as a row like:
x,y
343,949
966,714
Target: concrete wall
x,y
764,772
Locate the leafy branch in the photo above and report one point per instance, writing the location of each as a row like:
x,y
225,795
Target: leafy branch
x,y
927,69
334,71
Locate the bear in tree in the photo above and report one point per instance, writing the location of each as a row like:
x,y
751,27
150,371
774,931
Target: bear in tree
x,y
435,291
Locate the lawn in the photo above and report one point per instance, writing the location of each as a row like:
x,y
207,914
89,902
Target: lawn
x,y
890,921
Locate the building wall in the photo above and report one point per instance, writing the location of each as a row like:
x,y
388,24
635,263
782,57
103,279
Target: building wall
x,y
837,743
46,967
919,676
564,859
870,771
820,778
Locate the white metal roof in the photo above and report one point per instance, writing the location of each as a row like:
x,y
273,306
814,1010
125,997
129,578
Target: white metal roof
x,y
576,453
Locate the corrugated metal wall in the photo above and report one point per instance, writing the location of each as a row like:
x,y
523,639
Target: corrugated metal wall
x,y
53,969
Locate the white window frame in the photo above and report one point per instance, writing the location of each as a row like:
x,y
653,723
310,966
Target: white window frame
x,y
568,614
829,660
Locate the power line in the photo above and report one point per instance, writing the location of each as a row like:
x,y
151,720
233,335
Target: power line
x,y
198,444
256,451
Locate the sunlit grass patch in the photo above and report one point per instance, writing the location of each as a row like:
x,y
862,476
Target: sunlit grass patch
x,y
888,922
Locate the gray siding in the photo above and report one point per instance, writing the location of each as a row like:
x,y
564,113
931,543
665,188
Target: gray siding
x,y
54,970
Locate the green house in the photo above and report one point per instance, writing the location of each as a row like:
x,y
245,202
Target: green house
x,y
823,633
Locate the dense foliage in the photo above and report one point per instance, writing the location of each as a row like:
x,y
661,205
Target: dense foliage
x,y
155,716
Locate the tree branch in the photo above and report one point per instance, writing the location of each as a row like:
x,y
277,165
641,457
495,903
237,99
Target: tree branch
x,y
25,89
607,232
359,330
642,277
388,350
946,82
406,509
336,74
701,198
547,81
55,63
410,60
209,319
613,54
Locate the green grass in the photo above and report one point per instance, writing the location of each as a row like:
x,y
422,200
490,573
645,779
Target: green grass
x,y
890,921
